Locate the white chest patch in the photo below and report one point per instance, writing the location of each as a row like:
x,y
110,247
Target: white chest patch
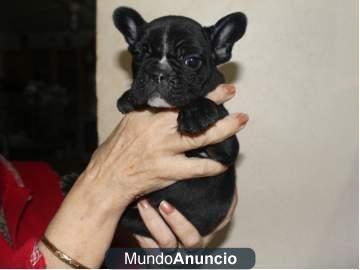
x,y
158,102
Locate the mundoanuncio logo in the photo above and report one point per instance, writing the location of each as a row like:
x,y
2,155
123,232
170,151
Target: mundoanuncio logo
x,y
210,258
179,258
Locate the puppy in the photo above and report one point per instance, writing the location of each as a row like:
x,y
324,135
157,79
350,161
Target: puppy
x,y
175,65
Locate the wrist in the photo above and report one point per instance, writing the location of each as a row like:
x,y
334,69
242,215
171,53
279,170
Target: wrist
x,y
84,225
103,189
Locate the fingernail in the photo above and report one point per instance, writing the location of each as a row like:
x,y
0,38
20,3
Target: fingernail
x,y
166,207
243,119
242,116
143,204
230,89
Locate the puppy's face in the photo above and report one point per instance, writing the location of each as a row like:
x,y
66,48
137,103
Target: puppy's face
x,y
175,58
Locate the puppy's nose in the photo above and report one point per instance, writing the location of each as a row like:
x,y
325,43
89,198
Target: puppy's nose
x,y
158,76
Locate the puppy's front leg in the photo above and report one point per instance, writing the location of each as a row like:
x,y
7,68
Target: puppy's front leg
x,y
199,115
125,103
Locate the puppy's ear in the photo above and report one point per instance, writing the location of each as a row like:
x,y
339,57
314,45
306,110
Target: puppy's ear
x,y
129,23
224,34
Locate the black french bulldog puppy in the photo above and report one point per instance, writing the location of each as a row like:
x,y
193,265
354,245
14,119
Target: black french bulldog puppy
x,y
174,65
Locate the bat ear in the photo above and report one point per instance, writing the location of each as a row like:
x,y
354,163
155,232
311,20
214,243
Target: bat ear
x,y
225,33
129,22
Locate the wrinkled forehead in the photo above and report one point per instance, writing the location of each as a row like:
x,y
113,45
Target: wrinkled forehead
x,y
176,37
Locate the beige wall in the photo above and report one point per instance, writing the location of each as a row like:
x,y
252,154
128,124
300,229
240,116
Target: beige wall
x,y
296,73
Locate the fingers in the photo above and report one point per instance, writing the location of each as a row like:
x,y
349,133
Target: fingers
x,y
180,226
184,230
185,168
165,237
156,226
222,93
222,130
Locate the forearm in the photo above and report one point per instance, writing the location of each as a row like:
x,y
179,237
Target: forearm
x,y
84,225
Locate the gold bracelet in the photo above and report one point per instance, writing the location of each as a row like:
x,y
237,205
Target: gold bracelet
x,y
61,255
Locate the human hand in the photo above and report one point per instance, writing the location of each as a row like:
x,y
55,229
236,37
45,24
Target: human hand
x,y
146,153
170,229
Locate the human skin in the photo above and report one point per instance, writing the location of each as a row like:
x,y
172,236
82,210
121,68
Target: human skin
x,y
173,230
144,153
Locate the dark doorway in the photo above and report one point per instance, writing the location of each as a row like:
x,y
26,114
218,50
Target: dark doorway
x,y
47,82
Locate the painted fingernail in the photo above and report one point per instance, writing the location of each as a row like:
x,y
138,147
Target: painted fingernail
x,y
230,89
143,204
243,118
166,207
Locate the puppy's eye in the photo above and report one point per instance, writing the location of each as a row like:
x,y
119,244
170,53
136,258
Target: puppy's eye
x,y
192,62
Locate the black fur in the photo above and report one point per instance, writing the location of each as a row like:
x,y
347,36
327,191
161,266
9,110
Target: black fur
x,y
174,64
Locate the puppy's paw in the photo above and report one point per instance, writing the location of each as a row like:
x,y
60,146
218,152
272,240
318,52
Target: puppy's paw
x,y
124,103
198,116
124,106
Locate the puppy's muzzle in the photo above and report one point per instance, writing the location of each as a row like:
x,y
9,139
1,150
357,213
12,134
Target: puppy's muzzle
x,y
158,76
